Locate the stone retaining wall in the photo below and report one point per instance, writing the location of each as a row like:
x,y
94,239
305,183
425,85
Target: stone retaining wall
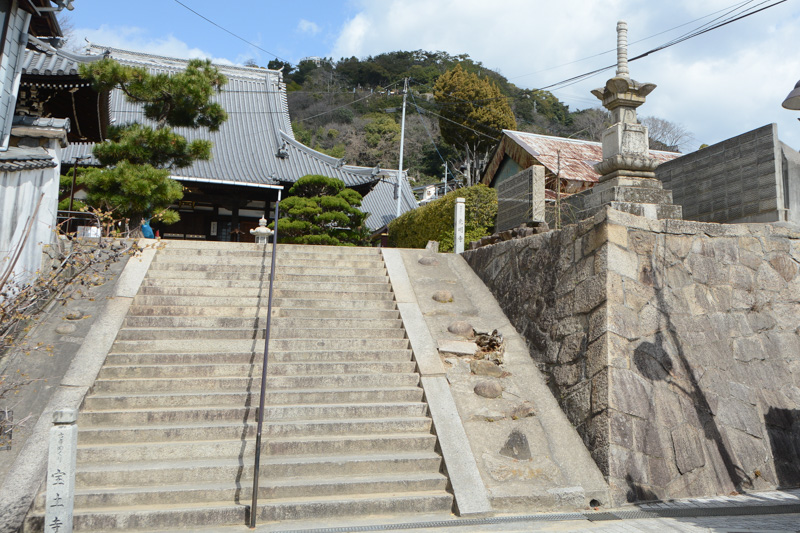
x,y
673,346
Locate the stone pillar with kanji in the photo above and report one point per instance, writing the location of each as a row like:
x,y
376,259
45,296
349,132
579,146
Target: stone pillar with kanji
x,y
61,472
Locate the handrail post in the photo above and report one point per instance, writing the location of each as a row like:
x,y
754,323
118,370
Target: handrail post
x,y
256,466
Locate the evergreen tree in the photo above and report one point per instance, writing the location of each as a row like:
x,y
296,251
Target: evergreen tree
x,y
474,114
320,210
137,157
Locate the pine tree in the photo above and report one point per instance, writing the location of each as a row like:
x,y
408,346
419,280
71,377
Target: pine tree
x,y
474,114
320,210
135,182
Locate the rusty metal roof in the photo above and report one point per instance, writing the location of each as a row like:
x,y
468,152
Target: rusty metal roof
x,y
572,159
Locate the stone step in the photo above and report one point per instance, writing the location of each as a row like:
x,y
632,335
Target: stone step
x,y
352,299
342,277
254,274
161,310
277,323
251,292
233,448
273,413
261,264
145,473
98,402
227,248
241,490
198,335
328,356
178,255
274,369
183,516
242,384
215,430
256,345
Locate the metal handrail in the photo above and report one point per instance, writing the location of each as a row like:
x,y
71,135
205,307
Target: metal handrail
x,y
256,466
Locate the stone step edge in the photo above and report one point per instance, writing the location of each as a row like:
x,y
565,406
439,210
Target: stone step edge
x,y
265,482
305,438
269,502
266,460
255,393
281,406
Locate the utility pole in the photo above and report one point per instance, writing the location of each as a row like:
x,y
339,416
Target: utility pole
x,y
445,179
402,138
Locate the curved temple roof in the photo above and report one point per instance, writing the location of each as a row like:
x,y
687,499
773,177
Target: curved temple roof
x,y
255,146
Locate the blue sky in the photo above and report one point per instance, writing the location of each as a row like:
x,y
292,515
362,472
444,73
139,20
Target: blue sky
x,y
718,85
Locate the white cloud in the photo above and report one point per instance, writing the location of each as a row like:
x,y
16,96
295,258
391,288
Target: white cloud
x,y
308,27
139,40
717,85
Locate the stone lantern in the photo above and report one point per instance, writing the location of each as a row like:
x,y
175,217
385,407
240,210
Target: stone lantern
x,y
627,179
626,148
262,232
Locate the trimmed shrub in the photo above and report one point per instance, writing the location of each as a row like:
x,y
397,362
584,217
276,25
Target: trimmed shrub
x,y
434,221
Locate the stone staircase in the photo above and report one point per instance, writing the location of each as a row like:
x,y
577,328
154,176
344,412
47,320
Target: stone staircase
x,y
166,437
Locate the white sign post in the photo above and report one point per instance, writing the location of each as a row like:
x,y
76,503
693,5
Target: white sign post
x,y
61,472
458,243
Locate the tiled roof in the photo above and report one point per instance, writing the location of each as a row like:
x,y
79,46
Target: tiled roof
x,y
381,203
246,147
47,61
256,145
16,159
42,122
572,159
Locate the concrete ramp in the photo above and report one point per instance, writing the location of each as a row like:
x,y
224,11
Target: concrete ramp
x,y
525,462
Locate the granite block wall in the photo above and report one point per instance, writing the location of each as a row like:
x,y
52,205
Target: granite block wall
x,y
673,346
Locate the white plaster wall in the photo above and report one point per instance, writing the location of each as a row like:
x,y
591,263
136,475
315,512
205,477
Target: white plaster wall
x,y
19,195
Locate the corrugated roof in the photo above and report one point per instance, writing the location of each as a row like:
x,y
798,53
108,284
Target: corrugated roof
x,y
572,159
16,159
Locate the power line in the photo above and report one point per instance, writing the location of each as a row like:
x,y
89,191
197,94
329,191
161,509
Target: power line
x,y
349,103
229,31
690,35
613,50
425,126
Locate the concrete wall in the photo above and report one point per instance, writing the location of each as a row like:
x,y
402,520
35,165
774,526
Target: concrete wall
x,y
790,172
673,346
520,198
737,180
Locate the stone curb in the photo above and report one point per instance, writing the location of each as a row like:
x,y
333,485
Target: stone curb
x,y
26,474
470,492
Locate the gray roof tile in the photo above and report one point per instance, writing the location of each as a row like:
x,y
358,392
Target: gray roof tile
x,y
245,150
16,159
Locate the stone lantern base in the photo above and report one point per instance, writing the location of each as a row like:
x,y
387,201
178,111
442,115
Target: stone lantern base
x,y
641,196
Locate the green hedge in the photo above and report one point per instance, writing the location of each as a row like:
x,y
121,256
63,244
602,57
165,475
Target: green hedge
x,y
434,221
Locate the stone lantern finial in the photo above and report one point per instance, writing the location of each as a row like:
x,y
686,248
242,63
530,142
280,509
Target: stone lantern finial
x,y
622,50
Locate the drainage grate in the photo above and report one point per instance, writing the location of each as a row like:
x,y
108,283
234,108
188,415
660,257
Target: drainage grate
x,y
684,512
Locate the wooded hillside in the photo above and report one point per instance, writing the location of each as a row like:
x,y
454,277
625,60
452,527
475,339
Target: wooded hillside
x,y
351,109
